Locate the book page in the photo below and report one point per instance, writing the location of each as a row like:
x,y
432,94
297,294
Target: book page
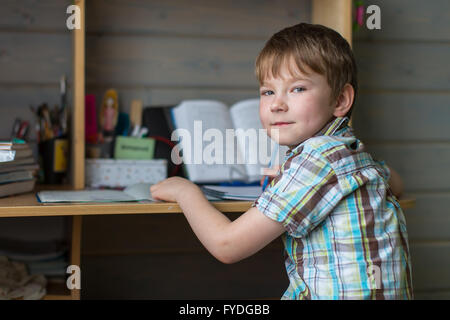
x,y
85,196
254,144
140,191
257,155
206,152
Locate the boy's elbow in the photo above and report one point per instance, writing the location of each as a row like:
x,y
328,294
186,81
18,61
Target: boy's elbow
x,y
225,254
226,259
396,183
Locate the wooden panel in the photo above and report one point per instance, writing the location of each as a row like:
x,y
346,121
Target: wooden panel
x,y
75,249
430,219
39,229
410,20
251,18
106,274
171,96
334,14
77,114
403,65
432,295
136,234
430,263
25,205
15,102
171,61
31,15
19,98
33,58
183,276
402,116
423,167
135,61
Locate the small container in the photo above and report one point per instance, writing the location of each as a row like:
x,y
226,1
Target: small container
x,y
122,173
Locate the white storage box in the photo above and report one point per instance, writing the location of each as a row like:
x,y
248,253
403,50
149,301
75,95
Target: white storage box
x,y
122,173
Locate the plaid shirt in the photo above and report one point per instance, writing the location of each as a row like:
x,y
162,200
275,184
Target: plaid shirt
x,y
346,233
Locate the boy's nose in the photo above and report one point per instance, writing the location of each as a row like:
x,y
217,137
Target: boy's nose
x,y
278,105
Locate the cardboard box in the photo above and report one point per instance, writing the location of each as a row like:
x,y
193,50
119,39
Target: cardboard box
x,y
122,173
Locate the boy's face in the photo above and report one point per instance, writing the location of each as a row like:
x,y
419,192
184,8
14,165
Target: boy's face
x,y
297,105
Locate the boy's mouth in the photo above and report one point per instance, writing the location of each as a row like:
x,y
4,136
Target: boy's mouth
x,y
281,124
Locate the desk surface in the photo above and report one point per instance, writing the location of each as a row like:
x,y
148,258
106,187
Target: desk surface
x,y
26,205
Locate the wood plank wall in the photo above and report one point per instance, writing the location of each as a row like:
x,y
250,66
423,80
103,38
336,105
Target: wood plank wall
x,y
163,52
403,115
35,51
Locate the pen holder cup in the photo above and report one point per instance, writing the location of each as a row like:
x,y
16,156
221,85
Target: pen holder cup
x,y
54,159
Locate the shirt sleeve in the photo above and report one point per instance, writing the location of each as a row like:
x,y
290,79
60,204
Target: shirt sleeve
x,y
303,195
385,171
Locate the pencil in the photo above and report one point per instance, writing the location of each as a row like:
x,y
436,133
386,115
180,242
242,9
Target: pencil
x,y
272,161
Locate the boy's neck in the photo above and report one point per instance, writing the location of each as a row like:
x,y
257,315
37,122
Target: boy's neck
x,y
327,130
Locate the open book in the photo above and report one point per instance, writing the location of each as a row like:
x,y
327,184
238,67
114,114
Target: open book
x,y
220,143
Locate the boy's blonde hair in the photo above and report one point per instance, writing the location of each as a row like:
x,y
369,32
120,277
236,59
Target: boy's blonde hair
x,y
317,47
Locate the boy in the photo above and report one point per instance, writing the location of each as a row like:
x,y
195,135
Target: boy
x,y
344,233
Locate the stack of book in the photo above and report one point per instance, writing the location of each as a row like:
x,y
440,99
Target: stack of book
x,y
47,258
245,193
18,168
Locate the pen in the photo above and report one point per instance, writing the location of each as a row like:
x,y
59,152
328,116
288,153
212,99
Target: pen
x,y
135,131
272,161
62,111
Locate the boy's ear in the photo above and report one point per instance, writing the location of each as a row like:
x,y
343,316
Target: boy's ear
x,y
344,101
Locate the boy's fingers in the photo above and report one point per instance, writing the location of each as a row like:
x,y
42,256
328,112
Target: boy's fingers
x,y
270,171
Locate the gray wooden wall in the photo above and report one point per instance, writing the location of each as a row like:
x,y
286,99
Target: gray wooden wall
x,y
166,51
163,52
403,115
35,51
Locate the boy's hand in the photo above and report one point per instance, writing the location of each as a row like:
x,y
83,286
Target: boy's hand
x,y
171,189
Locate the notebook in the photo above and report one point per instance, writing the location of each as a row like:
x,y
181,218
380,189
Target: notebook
x,y
133,193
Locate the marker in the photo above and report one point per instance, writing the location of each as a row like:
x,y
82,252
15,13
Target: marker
x,y
272,161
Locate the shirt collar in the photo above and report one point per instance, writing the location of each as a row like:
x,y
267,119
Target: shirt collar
x,y
329,129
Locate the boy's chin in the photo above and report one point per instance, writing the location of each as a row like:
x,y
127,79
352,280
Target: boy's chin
x,y
288,142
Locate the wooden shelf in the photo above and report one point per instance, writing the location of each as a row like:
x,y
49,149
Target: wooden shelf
x,y
57,291
26,205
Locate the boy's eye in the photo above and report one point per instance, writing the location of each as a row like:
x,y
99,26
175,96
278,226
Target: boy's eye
x,y
266,92
299,89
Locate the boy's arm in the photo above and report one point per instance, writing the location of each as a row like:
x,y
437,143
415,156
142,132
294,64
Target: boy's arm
x,y
396,183
228,241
